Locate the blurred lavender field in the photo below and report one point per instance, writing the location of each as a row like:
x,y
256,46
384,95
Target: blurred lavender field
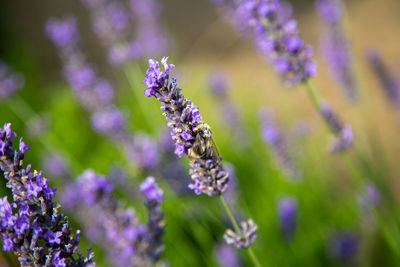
x,y
199,133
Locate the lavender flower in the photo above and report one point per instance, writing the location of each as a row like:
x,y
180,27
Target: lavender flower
x,y
373,194
193,138
243,239
343,132
113,23
191,135
38,234
335,47
96,94
276,35
155,222
151,36
143,150
10,81
219,83
368,200
62,32
127,241
108,121
287,216
387,79
329,11
227,256
276,138
343,246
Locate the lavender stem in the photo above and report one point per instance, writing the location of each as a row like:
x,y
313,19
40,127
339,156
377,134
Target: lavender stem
x,y
250,251
312,95
253,257
315,99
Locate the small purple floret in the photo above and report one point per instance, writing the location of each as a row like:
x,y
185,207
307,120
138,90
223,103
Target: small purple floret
x,y
151,190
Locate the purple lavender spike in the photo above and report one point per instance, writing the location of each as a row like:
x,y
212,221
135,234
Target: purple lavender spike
x,y
127,241
155,222
183,117
10,81
389,83
37,233
276,35
248,229
152,37
276,138
343,246
143,150
128,30
219,82
344,135
96,94
336,48
192,137
287,210
63,33
368,200
108,121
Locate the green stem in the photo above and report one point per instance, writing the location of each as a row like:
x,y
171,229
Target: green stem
x,y
315,100
253,257
230,215
250,251
312,93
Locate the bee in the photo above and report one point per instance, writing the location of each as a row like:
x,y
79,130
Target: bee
x,y
203,146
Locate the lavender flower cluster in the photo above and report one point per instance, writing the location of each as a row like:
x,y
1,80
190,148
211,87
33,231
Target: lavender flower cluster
x,y
93,92
287,210
193,138
112,22
369,199
344,246
335,47
10,81
96,95
191,135
37,233
344,135
276,35
276,138
127,241
389,83
244,238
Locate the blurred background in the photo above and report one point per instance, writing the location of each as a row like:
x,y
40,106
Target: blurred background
x,y
335,222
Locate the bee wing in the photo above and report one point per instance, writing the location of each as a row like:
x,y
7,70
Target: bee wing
x,y
214,150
